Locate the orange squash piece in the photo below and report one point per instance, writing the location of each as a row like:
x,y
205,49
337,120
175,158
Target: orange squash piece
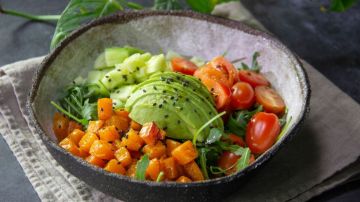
x,y
114,166
183,179
132,141
73,125
149,133
193,171
132,169
123,113
169,167
95,161
76,136
102,149
94,126
87,140
109,134
121,124
70,146
134,125
60,126
153,169
104,108
185,153
117,143
155,151
171,145
123,156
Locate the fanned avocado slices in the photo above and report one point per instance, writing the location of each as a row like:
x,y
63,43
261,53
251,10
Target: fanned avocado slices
x,y
178,103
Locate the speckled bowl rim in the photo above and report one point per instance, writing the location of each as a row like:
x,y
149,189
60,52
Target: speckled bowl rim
x,y
127,16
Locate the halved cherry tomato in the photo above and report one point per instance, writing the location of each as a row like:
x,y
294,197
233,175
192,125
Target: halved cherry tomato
x,y
223,65
183,66
220,92
227,160
262,131
270,100
253,78
243,96
213,74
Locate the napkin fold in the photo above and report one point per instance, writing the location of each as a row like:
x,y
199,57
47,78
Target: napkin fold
x,y
322,155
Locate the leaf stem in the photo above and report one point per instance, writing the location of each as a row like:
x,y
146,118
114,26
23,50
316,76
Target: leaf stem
x,y
42,18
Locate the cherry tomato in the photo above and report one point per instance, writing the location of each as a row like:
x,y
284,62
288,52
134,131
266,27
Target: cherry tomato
x,y
253,78
243,96
227,160
219,91
183,66
262,131
223,65
270,100
237,140
213,74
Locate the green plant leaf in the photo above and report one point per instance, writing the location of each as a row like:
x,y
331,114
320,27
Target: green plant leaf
x,y
79,12
341,5
243,162
238,121
167,5
214,136
205,6
202,159
141,167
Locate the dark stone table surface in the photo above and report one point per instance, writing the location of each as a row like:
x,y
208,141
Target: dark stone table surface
x,y
329,41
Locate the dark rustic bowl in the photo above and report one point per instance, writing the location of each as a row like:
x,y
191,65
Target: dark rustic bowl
x,y
187,33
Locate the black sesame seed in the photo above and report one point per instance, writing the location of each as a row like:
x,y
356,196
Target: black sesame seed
x,y
119,70
178,121
101,109
165,128
106,76
209,113
164,91
144,90
187,99
164,101
138,68
154,104
172,97
109,80
166,116
160,105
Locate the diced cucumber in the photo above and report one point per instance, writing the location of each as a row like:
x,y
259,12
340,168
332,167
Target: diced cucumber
x,y
140,75
171,54
94,78
117,77
122,93
198,61
117,55
100,62
134,62
79,80
118,104
157,63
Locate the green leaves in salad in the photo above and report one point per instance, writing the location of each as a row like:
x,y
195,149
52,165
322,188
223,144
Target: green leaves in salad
x,y
141,167
205,6
79,104
341,5
254,65
214,136
167,5
238,121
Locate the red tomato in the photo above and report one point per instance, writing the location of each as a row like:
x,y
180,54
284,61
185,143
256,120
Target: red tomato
x,y
219,91
184,66
223,65
270,100
237,140
253,78
213,74
262,131
243,96
227,160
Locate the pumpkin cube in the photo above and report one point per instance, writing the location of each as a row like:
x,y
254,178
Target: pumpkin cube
x,y
102,149
95,161
185,153
193,171
149,133
132,141
155,151
123,156
114,166
171,145
153,169
109,134
87,140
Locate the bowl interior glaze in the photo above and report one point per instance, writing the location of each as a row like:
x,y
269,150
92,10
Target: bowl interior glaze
x,y
184,32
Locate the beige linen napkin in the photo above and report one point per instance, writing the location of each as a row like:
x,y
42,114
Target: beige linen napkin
x,y
324,154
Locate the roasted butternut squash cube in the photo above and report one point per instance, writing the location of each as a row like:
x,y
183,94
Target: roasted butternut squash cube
x,y
155,151
169,166
109,134
123,113
121,123
171,145
74,125
114,166
185,153
183,179
102,149
193,171
70,146
117,143
76,136
95,161
94,126
104,108
123,156
132,169
135,126
132,141
153,169
87,140
60,126
149,133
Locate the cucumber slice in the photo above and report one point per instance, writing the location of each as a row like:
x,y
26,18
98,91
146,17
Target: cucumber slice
x,y
118,104
100,62
157,63
117,77
122,93
115,56
94,77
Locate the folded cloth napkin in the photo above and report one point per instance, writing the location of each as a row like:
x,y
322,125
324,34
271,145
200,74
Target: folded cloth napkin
x,y
324,154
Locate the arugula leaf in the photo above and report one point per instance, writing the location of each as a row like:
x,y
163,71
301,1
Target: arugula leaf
x,y
341,5
238,121
205,6
206,125
254,65
202,159
141,167
244,160
167,5
214,136
160,176
78,12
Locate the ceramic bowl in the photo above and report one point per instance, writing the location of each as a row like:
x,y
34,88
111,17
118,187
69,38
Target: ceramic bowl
x,y
187,33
